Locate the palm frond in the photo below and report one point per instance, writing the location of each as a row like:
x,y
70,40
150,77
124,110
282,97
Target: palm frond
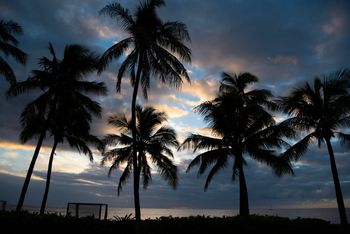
x,y
7,72
219,165
207,158
117,11
10,50
145,171
167,169
344,139
90,87
114,52
299,148
7,28
165,135
124,177
120,122
199,142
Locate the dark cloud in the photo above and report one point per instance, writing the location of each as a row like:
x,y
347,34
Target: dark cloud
x,y
239,36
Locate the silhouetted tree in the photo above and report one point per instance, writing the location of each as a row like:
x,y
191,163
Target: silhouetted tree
x,y
155,49
8,46
320,111
241,126
70,124
60,81
153,144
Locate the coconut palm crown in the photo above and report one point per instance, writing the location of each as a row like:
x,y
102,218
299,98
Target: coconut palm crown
x,y
154,145
320,111
62,83
241,127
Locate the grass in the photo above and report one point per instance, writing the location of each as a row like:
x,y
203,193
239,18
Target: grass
x,y
11,222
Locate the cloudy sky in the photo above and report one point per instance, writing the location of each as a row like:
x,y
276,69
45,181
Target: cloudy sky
x,y
282,42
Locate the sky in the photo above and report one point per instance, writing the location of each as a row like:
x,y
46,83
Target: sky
x,y
284,43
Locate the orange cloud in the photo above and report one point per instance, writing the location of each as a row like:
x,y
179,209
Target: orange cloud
x,y
205,90
9,145
171,111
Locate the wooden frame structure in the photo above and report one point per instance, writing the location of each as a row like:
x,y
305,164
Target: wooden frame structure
x,y
78,205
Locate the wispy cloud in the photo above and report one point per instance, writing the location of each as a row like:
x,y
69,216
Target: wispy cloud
x,y
19,174
284,59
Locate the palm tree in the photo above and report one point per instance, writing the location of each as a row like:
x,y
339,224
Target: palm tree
x,y
8,46
241,126
320,110
71,124
62,81
153,144
156,48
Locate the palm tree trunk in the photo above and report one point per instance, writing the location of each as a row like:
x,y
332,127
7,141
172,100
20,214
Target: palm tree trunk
x,y
35,156
243,192
340,201
48,178
30,172
134,156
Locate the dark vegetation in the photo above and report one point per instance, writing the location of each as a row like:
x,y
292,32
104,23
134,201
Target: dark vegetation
x,y
12,222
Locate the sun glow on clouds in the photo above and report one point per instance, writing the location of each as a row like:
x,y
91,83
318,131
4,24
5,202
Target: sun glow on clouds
x,y
171,111
71,162
17,157
101,29
185,101
203,89
8,145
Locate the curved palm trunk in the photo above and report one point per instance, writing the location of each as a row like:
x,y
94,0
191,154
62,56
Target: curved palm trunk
x,y
339,195
48,178
243,192
134,156
30,172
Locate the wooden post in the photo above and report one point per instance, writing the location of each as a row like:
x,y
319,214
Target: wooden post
x,y
106,211
77,210
99,212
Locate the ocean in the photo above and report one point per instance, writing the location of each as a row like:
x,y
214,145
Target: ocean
x,y
328,214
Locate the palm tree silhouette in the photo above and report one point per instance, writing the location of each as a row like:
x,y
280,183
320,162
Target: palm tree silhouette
x,y
8,46
241,126
71,124
153,143
62,81
320,110
156,48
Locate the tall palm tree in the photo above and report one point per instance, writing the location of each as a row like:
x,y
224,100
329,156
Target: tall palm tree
x,y
241,126
70,124
153,144
61,81
320,111
156,48
8,46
